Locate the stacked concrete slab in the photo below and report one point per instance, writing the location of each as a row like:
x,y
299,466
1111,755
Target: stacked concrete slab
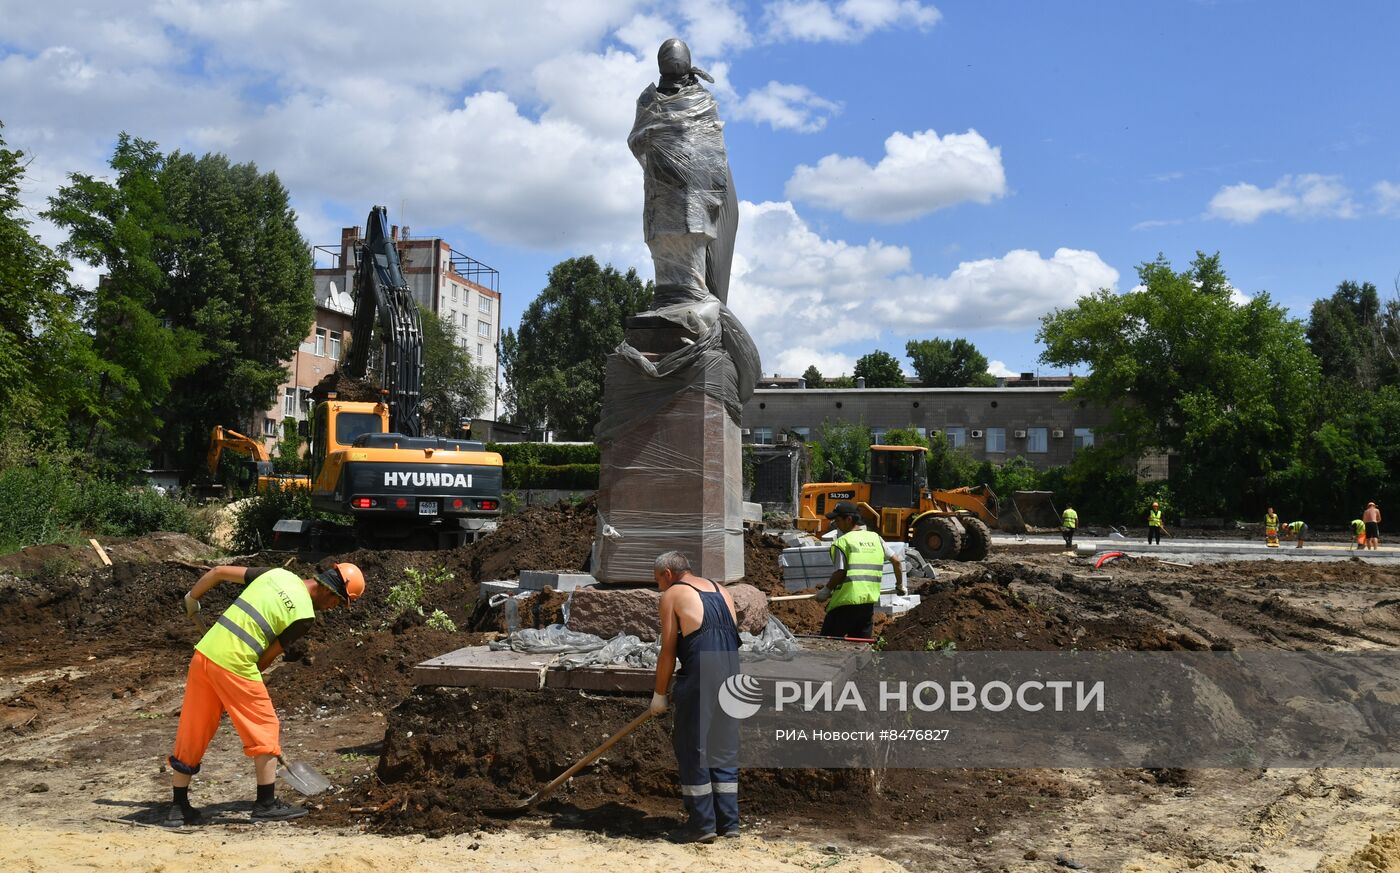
x,y
811,566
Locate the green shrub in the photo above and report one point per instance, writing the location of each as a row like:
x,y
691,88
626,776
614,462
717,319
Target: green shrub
x,y
407,595
546,454
36,506
440,621
560,476
255,517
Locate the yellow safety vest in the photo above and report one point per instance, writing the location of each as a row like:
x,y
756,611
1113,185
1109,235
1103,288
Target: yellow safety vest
x,y
1271,521
1154,518
1070,519
864,553
268,606
1358,526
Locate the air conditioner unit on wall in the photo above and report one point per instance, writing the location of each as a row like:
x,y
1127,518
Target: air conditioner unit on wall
x,y
1058,434
1020,434
977,434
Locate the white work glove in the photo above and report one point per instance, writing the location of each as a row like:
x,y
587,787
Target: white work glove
x,y
823,595
658,703
191,605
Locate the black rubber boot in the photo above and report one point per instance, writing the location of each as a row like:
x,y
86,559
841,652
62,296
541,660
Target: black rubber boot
x,y
276,810
689,834
179,816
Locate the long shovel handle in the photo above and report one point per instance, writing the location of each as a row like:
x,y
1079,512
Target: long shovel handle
x,y
589,758
791,597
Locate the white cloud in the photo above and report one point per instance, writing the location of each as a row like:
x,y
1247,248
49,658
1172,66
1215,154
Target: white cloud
x,y
918,175
794,361
785,107
846,21
1387,197
999,368
798,290
1153,223
1306,196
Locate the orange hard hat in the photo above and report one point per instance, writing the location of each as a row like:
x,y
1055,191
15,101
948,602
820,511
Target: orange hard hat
x,y
344,580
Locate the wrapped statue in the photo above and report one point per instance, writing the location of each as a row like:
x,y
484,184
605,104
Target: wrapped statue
x,y
689,218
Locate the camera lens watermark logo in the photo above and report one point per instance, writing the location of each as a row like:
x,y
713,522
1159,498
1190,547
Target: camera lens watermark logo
x,y
740,696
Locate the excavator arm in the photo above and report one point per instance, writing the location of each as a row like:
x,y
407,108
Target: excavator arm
x,y
382,295
221,439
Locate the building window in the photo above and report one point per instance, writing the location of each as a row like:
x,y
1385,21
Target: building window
x,y
270,427
483,328
921,431
762,436
996,439
483,304
802,433
305,395
481,351
289,401
1083,438
1037,441
334,346
957,436
321,341
454,292
878,434
466,322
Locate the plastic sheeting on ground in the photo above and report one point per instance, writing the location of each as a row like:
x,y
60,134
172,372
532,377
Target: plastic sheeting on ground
x,y
589,650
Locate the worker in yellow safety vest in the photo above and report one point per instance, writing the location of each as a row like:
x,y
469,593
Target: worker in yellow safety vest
x,y
1271,528
854,587
1358,530
1298,530
1069,520
1154,524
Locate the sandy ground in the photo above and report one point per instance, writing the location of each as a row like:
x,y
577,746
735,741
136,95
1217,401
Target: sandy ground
x,y
92,752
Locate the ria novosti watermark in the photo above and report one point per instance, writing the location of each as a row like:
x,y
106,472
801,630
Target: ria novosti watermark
x,y
1066,709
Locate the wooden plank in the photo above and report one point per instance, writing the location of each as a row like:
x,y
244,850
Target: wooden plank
x,y
101,552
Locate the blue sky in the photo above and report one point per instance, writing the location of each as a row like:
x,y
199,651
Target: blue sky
x,y
907,169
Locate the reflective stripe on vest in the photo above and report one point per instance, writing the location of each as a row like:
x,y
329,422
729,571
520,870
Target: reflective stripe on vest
x,y
1154,519
228,624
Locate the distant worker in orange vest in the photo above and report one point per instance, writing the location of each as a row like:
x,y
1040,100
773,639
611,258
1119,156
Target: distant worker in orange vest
x,y
1372,517
274,610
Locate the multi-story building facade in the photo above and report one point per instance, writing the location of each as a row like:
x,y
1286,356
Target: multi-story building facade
x,y
315,358
996,424
459,289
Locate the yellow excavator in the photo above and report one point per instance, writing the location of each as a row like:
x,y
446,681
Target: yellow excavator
x,y
897,503
369,461
255,471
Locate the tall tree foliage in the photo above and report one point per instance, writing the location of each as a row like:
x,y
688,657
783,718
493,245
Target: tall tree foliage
x,y
942,363
1227,387
813,377
46,361
1356,336
207,291
124,227
880,369
453,388
554,363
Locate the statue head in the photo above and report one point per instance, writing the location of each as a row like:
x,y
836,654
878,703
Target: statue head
x,y
673,58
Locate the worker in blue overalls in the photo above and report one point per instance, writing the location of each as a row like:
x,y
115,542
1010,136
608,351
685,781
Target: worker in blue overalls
x,y
698,627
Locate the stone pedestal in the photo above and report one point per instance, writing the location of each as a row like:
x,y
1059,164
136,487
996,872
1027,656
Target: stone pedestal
x,y
673,481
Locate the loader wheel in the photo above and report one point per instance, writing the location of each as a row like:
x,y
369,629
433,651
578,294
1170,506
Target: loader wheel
x,y
938,538
977,539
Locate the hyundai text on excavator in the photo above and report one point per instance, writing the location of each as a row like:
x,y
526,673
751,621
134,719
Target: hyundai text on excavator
x,y
256,470
897,503
369,460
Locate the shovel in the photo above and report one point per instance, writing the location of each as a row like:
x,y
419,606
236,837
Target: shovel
x,y
303,778
592,756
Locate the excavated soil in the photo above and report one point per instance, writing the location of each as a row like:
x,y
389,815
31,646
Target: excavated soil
x,y
346,388
94,658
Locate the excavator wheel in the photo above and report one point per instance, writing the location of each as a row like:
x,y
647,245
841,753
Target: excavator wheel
x,y
977,539
938,538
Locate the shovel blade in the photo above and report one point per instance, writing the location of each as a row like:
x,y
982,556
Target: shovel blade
x,y
305,779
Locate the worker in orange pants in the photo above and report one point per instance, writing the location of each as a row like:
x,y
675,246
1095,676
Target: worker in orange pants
x,y
274,610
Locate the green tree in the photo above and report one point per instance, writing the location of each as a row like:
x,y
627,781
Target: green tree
x,y
554,363
1179,366
949,467
813,377
942,363
287,458
880,369
1356,336
839,451
47,367
905,436
453,388
124,227
238,274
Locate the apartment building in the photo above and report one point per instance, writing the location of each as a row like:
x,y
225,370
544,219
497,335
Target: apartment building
x,y
315,358
457,288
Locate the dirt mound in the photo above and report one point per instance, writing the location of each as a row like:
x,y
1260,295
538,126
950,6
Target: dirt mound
x,y
761,568
56,559
451,756
983,616
557,538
